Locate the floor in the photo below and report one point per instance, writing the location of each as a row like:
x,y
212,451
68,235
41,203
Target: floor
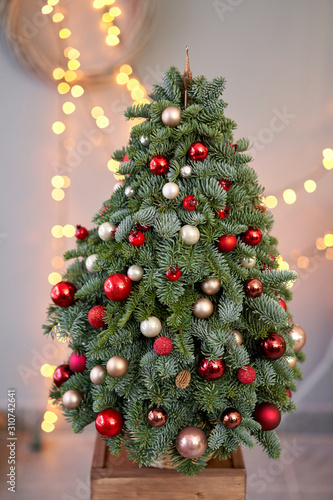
x,y
60,470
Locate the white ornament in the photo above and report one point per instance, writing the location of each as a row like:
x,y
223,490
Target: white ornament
x,y
105,231
170,190
151,326
129,192
135,273
248,262
118,185
144,140
189,234
90,263
186,171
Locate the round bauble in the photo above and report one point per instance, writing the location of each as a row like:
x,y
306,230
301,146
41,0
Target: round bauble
x,y
268,415
144,140
238,337
72,399
81,233
151,326
248,262
109,423
185,171
253,288
191,442
299,337
156,417
129,192
118,185
117,287
283,304
105,231
227,243
225,184
203,308
272,347
77,362
171,116
173,274
136,238
98,374
190,203
135,273
252,236
189,234
246,375
96,316
90,263
288,392
231,418
170,190
61,374
63,294
291,360
163,346
211,286
223,213
198,151
117,366
211,370
159,165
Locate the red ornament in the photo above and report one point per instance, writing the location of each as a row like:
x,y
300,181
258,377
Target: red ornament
x,y
81,233
225,184
117,287
227,243
173,274
109,423
273,347
190,203
141,227
252,236
61,374
103,209
63,294
126,158
96,316
198,151
156,417
231,418
211,370
253,288
136,238
288,392
235,147
113,233
77,362
163,346
246,375
159,165
268,415
283,304
223,213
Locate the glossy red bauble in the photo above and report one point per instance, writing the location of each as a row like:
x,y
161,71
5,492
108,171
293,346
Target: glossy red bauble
x,y
77,362
211,370
288,392
223,213
109,423
225,184
81,233
253,288
272,347
198,151
246,375
117,287
61,374
63,294
252,236
283,304
141,227
227,243
159,165
96,317
190,203
268,415
163,346
136,238
173,274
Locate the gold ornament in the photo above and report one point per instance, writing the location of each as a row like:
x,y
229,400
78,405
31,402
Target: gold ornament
x,y
238,337
211,286
203,308
299,337
171,116
98,374
72,399
291,360
183,379
117,366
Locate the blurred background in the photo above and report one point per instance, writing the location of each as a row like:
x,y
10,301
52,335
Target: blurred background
x,y
69,69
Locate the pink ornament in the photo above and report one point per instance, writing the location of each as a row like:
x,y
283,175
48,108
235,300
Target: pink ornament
x,y
77,362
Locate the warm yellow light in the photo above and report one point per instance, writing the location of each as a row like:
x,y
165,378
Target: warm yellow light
x,y
54,278
73,64
58,194
58,127
63,88
303,262
328,240
68,108
70,75
271,201
125,68
47,370
57,181
137,94
50,416
57,262
329,254
64,33
141,101
122,78
47,9
289,196
53,2
284,266
114,30
69,230
57,17
112,40
67,181
320,244
97,111
328,164
115,11
107,18
279,259
102,122
57,231
47,426
328,154
98,4
71,53
133,84
113,165
108,2
310,186
77,91
58,73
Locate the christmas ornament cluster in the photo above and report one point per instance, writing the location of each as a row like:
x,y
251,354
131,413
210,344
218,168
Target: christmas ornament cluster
x,y
176,311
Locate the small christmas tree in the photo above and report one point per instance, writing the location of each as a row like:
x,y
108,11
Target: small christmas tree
x,y
174,307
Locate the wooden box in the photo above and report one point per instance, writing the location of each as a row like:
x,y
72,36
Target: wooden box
x,y
117,478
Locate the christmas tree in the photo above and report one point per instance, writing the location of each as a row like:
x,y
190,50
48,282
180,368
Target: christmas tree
x,y
174,306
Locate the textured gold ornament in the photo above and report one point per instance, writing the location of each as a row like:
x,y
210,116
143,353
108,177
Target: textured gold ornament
x,y
260,208
183,379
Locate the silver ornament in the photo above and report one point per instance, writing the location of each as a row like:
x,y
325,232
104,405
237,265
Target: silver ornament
x,y
105,231
189,234
191,442
171,116
118,185
186,171
151,326
203,308
170,190
72,399
248,262
90,261
117,366
98,374
135,273
129,192
144,140
211,286
238,337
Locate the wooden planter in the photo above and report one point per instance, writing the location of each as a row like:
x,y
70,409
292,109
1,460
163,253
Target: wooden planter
x,y
117,478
